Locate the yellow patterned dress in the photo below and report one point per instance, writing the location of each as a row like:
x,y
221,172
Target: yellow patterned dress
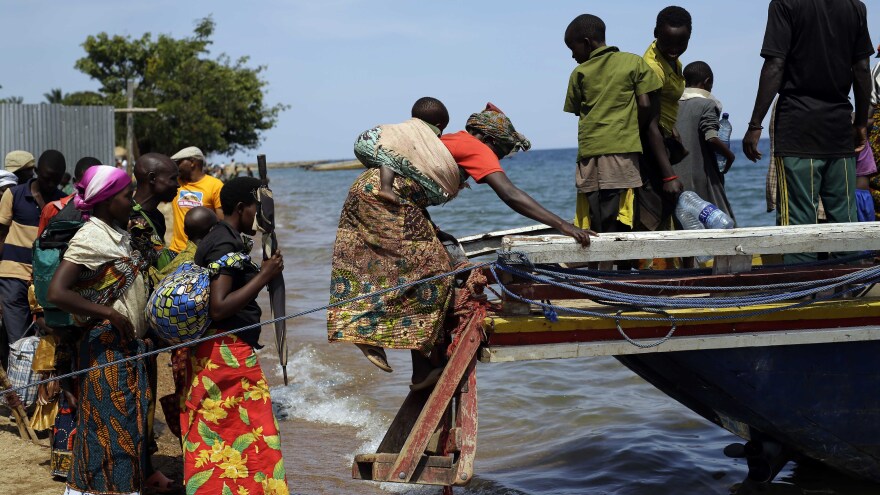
x,y
874,142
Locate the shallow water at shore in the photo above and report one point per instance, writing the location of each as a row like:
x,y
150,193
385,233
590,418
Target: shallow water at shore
x,y
561,427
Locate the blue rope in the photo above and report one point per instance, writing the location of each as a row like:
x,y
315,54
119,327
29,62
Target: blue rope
x,y
638,304
863,276
691,271
690,288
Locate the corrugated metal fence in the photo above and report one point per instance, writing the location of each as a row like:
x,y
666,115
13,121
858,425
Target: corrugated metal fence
x,y
74,131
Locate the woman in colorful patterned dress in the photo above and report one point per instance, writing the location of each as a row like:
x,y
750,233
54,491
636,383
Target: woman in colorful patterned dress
x,y
231,442
874,134
382,243
100,281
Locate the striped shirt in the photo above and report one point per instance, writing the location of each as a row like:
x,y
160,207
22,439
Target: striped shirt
x,y
20,212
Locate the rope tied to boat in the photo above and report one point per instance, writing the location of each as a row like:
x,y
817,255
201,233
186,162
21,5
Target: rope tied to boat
x,y
773,293
642,345
519,265
193,342
469,304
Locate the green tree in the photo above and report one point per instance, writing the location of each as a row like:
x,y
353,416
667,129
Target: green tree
x,y
55,95
84,98
217,104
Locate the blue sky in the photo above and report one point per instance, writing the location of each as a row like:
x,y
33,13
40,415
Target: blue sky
x,y
346,65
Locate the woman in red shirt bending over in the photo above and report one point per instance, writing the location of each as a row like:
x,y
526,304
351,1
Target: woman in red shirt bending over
x,y
386,238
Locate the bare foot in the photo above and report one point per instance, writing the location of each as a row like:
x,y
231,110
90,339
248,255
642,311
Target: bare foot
x,y
376,355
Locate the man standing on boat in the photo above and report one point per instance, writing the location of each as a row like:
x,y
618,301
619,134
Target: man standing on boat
x,y
814,52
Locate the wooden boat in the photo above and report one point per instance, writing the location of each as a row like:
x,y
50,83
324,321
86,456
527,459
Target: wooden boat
x,y
794,378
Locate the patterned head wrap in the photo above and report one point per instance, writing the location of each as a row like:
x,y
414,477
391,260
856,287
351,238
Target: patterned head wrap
x,y
7,178
99,184
492,122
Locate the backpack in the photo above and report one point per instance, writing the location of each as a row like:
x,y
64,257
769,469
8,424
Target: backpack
x,y
178,308
48,252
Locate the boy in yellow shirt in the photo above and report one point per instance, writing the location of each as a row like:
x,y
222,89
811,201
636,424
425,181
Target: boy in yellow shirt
x,y
672,33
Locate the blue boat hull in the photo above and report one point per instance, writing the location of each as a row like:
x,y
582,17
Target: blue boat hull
x,y
821,400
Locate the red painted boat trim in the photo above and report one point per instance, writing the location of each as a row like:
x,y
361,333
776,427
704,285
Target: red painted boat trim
x,y
692,330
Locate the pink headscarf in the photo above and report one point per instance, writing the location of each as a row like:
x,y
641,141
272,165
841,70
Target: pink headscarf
x,y
98,184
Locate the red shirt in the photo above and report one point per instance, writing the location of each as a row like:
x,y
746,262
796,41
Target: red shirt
x,y
471,154
50,210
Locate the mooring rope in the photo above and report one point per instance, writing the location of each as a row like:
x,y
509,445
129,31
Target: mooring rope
x,y
249,327
658,305
866,276
654,304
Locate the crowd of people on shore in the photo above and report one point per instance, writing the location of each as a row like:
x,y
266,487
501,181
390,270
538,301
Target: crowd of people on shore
x,y
90,307
648,129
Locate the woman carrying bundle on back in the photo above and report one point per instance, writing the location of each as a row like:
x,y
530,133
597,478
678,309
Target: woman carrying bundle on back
x,y
100,281
230,436
386,238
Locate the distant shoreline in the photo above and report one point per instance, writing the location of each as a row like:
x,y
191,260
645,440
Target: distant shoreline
x,y
316,165
352,164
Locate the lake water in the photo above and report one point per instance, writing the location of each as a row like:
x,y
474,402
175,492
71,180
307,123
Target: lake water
x,y
548,427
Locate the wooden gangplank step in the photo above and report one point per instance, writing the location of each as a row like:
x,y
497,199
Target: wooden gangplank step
x,y
430,470
433,438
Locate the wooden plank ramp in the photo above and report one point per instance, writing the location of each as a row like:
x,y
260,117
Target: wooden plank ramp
x,y
433,438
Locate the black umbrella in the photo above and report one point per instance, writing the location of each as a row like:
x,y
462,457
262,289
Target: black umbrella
x,y
277,297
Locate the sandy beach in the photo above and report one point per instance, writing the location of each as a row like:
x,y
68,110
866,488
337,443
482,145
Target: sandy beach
x,y
26,466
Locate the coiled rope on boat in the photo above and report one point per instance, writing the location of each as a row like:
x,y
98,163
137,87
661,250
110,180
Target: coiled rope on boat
x,y
813,291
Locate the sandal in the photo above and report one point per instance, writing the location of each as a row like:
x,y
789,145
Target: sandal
x,y
429,381
158,483
376,355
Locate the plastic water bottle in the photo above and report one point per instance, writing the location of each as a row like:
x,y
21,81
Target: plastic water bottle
x,y
724,132
695,213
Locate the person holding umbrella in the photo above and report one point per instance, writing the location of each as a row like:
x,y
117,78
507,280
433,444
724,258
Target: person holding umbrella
x,y
230,435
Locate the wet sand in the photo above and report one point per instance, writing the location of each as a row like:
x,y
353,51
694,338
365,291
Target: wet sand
x,y
25,466
26,469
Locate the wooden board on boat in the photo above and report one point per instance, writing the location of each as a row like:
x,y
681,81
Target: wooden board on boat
x,y
841,237
489,242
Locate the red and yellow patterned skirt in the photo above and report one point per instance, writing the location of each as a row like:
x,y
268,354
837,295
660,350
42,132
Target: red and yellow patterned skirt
x,y
231,442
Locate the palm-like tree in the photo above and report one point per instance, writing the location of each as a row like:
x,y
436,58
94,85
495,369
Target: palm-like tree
x,y
54,96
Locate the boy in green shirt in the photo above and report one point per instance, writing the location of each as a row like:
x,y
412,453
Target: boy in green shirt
x,y
610,91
